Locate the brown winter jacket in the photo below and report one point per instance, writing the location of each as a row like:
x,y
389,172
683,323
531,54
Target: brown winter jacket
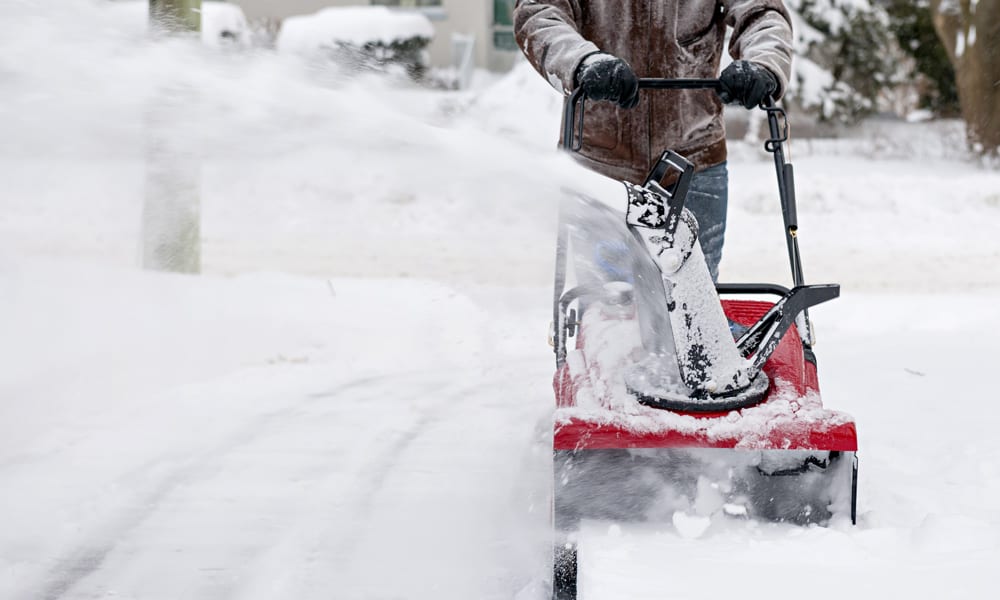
x,y
658,38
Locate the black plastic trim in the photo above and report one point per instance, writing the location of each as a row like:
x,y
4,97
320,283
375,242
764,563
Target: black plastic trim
x,y
564,567
809,354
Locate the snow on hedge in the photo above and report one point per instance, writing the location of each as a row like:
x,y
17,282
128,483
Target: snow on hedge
x,y
843,37
353,25
834,13
220,21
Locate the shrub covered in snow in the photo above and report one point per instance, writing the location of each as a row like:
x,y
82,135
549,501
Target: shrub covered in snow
x,y
223,23
847,58
361,37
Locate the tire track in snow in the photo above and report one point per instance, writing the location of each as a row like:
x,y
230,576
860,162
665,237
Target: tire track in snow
x,y
427,395
396,492
383,465
77,565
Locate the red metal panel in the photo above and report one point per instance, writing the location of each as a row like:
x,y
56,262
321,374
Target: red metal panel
x,y
829,431
788,361
790,435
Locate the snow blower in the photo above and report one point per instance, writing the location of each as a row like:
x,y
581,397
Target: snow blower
x,y
675,394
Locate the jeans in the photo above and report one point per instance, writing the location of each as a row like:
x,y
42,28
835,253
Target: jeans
x,y
708,199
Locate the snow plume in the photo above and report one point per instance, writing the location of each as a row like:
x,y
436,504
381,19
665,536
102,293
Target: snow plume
x,y
492,107
79,86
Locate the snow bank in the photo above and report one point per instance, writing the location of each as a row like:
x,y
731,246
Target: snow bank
x,y
519,106
355,25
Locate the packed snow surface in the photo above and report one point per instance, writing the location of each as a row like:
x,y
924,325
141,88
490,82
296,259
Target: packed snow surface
x,y
352,400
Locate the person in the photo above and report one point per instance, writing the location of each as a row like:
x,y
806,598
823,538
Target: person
x,y
605,46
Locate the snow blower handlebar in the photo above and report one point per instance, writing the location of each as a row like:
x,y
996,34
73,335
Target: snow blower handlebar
x,y
575,102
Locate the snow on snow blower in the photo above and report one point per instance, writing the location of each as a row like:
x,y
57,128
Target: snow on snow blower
x,y
673,399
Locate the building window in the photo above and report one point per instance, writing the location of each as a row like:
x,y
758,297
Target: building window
x,y
503,25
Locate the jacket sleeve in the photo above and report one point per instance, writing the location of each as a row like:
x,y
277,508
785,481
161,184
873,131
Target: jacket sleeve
x,y
762,34
547,33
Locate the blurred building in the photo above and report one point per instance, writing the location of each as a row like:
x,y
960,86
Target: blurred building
x,y
476,31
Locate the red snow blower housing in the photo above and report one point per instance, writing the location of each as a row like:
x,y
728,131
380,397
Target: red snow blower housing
x,y
660,406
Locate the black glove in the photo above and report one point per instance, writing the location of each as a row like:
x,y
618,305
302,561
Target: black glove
x,y
609,78
747,83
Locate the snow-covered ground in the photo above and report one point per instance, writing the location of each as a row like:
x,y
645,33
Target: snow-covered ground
x,y
346,403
